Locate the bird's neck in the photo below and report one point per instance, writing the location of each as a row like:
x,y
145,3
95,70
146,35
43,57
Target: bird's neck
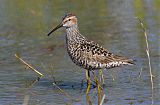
x,y
73,35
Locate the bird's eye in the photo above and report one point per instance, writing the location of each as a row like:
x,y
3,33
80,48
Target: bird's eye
x,y
69,19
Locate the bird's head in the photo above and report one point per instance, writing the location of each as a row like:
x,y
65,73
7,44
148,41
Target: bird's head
x,y
69,20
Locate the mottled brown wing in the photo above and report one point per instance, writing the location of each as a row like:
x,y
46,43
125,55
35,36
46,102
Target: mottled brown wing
x,y
100,56
113,58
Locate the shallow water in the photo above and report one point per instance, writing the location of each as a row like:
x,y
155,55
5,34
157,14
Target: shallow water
x,y
23,29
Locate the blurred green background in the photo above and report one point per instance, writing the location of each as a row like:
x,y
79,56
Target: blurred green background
x,y
24,25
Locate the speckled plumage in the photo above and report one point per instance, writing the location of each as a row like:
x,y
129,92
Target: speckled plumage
x,y
87,54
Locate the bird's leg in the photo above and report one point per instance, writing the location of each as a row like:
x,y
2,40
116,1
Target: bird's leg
x,y
88,81
98,87
101,77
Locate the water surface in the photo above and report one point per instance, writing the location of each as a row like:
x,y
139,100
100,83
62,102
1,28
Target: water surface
x,y
23,29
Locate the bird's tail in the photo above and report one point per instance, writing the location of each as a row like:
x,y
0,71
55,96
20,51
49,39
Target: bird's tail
x,y
117,63
128,62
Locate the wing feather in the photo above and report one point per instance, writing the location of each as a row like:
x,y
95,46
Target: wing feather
x,y
96,54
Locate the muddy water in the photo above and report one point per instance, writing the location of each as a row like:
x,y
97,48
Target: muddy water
x,y
23,29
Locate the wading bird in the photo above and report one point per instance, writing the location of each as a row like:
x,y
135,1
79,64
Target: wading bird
x,y
85,53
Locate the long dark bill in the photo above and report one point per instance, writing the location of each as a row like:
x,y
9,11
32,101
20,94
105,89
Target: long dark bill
x,y
59,26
